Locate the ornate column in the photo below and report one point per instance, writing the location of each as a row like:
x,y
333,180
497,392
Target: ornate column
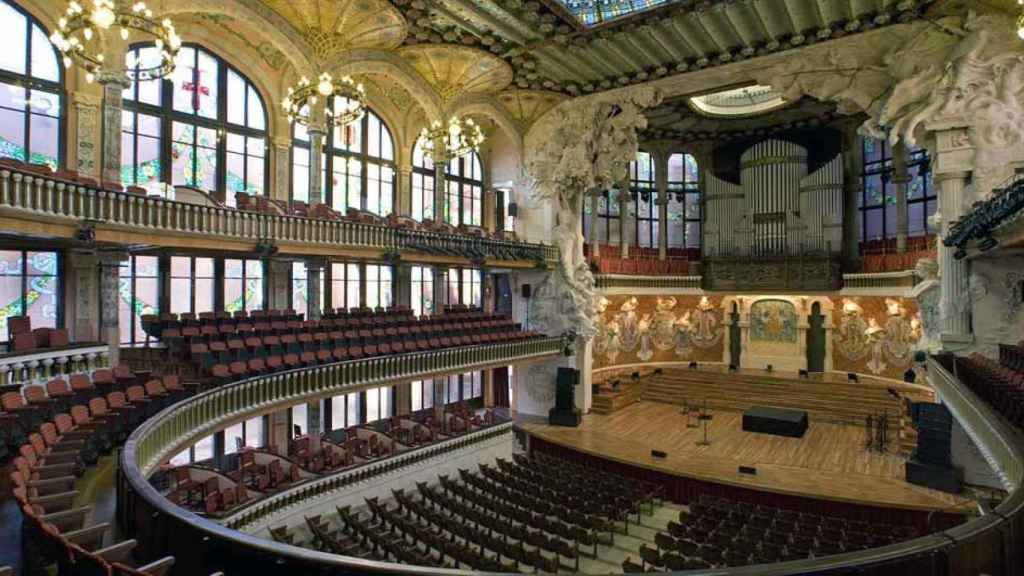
x,y
87,113
113,84
440,184
440,288
279,433
487,291
853,164
488,383
403,284
279,283
900,179
489,209
661,155
314,272
403,203
317,132
313,426
110,281
403,398
282,169
83,313
595,241
953,157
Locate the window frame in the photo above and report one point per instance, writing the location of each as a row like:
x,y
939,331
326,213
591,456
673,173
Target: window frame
x,y
132,265
25,277
461,180
192,281
638,188
244,279
30,83
221,125
690,191
421,171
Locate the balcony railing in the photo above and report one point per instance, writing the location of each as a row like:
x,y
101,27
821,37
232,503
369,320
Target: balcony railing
x,y
39,366
881,281
334,485
67,202
613,281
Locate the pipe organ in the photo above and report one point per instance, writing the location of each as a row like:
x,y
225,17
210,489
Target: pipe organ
x,y
780,223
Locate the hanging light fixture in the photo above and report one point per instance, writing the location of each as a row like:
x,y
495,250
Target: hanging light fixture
x,y
80,31
458,137
304,96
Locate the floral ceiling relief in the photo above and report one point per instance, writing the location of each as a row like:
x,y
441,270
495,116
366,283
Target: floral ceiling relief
x,y
883,339
649,328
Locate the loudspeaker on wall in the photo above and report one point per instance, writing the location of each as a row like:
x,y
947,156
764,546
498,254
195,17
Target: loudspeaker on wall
x,y
527,290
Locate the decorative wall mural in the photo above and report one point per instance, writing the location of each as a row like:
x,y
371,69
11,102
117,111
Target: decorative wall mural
x,y
885,340
657,329
773,321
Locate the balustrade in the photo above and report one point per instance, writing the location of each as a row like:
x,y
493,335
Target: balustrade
x,y
38,367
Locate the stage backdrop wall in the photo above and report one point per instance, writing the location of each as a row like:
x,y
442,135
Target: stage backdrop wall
x,y
868,334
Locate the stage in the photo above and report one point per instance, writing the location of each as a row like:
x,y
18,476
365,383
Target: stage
x,y
830,462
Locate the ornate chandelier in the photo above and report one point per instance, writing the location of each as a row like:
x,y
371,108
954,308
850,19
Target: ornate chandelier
x,y
459,137
78,28
302,98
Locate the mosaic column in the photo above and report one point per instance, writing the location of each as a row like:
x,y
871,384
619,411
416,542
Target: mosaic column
x,y
316,147
313,426
81,292
853,164
282,169
440,184
314,272
403,284
900,179
113,85
595,241
403,203
110,284
87,113
625,222
279,274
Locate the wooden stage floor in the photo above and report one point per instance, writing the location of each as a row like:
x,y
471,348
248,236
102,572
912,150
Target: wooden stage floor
x,y
830,462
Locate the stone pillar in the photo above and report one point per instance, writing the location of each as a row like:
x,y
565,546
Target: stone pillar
x,y
313,426
279,434
661,179
314,272
83,309
316,147
489,210
595,241
110,280
487,291
403,284
440,184
626,223
282,170
403,203
440,288
87,117
955,305
853,165
279,274
900,179
113,85
585,364
488,382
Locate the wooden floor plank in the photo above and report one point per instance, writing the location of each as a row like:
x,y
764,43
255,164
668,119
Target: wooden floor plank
x,y
829,462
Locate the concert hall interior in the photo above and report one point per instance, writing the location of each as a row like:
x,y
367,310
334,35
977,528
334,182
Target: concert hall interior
x,y
334,287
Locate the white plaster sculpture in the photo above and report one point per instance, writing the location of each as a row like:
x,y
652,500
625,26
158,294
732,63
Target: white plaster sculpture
x,y
580,149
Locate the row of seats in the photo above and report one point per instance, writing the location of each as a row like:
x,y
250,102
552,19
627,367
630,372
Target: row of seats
x,y
23,338
999,383
69,176
59,446
718,532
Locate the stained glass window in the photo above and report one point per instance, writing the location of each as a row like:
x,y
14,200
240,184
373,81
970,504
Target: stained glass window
x,y
344,285
29,286
192,284
422,290
215,118
31,93
300,288
645,196
593,12
464,287
878,200
243,285
378,286
138,295
422,184
464,202
358,164
684,211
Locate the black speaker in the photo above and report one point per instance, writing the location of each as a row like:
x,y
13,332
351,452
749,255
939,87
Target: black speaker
x,y
297,430
693,365
852,377
568,378
768,367
658,454
803,374
513,209
527,291
733,368
748,470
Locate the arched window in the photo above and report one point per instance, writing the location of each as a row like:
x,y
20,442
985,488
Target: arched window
x,y
684,213
645,196
31,92
878,201
204,127
358,165
464,201
422,184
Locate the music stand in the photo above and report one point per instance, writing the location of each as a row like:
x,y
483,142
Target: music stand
x,y
688,412
705,417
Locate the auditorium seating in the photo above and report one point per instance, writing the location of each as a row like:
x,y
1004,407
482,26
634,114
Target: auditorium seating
x,y
23,338
718,532
230,347
643,261
56,439
882,255
998,382
539,515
